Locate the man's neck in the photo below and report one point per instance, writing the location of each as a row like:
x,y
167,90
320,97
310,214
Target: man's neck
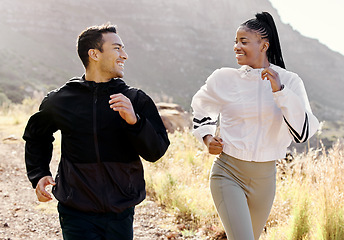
x,y
95,77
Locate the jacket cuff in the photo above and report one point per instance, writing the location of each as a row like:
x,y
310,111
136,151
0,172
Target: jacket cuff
x,y
203,131
281,92
137,126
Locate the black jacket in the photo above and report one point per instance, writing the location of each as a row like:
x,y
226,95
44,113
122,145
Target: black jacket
x,y
100,168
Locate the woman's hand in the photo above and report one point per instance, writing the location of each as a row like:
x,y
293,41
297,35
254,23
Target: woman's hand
x,y
272,76
214,144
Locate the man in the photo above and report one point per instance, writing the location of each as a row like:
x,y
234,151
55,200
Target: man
x,y
105,127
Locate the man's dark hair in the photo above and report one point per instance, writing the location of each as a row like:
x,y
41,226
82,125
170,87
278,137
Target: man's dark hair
x,y
264,25
92,38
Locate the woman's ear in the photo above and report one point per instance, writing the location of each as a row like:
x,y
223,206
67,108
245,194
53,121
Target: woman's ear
x,y
266,46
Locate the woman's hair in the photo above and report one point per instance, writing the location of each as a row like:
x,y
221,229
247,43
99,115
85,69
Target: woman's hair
x,y
92,38
265,26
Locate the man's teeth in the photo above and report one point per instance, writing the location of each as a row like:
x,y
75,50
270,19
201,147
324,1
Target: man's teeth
x,y
121,64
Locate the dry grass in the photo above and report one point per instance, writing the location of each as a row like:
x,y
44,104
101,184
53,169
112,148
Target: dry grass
x,y
179,182
309,202
13,117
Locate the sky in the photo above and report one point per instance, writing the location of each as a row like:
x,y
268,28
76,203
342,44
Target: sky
x,y
319,19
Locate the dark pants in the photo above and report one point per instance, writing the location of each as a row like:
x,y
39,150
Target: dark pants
x,y
78,225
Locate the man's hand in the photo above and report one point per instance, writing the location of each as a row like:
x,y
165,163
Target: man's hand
x,y
42,194
214,144
122,104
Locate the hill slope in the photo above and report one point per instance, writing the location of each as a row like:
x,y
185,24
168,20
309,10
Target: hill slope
x,y
173,46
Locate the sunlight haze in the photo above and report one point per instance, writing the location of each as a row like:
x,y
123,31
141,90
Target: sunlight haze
x,y
321,20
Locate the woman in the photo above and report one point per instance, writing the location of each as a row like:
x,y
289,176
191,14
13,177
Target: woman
x,y
262,108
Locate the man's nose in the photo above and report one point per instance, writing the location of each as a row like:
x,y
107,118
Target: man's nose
x,y
124,55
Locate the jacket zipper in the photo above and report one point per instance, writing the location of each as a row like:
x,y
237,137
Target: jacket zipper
x,y
95,134
96,144
259,106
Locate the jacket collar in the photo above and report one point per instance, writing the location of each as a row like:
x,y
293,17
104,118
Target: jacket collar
x,y
112,86
246,71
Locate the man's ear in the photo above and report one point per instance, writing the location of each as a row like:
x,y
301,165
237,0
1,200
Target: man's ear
x,y
94,54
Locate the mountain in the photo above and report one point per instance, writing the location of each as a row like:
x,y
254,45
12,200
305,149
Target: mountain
x,y
173,46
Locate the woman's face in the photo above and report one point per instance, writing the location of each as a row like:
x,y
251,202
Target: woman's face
x,y
250,49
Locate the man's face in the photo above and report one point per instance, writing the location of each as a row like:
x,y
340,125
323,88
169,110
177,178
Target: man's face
x,y
113,56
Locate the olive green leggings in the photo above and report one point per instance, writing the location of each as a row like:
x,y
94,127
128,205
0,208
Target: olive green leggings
x,y
243,193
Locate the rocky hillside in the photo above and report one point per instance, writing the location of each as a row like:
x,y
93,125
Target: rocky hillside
x,y
173,45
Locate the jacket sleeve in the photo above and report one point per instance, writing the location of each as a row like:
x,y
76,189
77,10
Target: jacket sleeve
x,y
38,136
206,108
148,135
296,110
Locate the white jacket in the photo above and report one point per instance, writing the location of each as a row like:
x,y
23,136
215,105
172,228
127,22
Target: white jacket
x,y
255,123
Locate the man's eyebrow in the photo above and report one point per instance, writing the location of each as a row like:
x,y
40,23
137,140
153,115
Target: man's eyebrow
x,y
118,44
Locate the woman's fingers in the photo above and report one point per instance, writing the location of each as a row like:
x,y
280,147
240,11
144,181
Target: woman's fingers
x,y
273,77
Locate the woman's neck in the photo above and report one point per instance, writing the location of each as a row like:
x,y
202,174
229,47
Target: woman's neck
x,y
263,64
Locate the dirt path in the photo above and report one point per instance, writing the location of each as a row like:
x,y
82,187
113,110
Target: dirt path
x,y
23,217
